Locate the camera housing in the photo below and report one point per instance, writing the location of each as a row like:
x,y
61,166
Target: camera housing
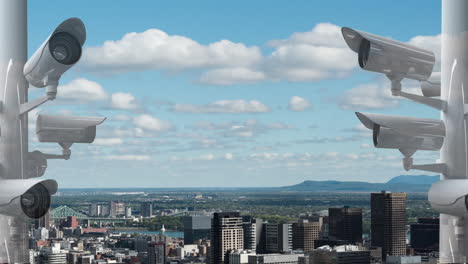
x,y
28,198
396,59
398,132
450,197
431,87
67,129
56,55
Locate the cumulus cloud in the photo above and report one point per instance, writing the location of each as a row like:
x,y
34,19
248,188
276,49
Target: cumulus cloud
x,y
224,106
128,157
298,104
124,101
369,96
82,90
155,49
148,122
305,56
229,76
317,54
376,95
108,141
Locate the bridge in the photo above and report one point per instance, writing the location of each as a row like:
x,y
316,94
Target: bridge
x,y
62,212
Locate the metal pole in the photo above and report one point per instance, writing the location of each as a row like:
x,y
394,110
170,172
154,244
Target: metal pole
x,y
13,130
454,81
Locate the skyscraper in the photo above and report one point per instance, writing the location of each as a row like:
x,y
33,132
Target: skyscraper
x,y
388,223
278,237
345,224
196,227
304,234
157,252
146,209
253,231
226,234
95,210
117,209
425,235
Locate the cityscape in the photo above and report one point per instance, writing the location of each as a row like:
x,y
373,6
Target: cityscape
x,y
187,226
234,132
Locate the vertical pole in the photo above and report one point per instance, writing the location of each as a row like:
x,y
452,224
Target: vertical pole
x,y
13,130
454,89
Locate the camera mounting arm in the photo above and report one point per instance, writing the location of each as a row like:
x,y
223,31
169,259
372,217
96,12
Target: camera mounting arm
x,y
408,163
431,102
66,152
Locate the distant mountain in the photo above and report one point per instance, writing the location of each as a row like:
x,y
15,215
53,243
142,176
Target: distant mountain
x,y
414,179
402,183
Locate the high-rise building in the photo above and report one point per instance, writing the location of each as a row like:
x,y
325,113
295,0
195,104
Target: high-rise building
x,y
94,209
128,211
425,235
226,235
278,237
157,252
253,232
196,227
388,223
44,221
345,224
304,234
117,209
146,209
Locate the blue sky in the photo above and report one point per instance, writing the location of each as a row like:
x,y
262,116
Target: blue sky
x,y
240,93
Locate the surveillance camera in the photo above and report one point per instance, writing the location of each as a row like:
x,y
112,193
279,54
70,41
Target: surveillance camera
x,y
56,55
396,59
450,197
431,87
67,129
397,132
26,197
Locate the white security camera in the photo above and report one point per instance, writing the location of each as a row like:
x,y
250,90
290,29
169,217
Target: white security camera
x,y
396,59
67,129
431,87
398,132
26,197
56,55
450,197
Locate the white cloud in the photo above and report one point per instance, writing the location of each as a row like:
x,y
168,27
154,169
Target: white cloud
x,y
151,123
369,96
121,118
108,141
124,101
128,157
229,76
82,90
155,49
305,56
377,95
228,156
298,104
311,56
224,106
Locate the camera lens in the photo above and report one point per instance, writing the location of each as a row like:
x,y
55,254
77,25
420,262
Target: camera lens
x,y
65,48
60,53
364,50
36,201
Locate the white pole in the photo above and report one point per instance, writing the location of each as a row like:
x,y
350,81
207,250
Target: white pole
x,y
453,242
13,131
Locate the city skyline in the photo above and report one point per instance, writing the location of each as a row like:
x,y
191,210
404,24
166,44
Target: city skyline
x,y
235,94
